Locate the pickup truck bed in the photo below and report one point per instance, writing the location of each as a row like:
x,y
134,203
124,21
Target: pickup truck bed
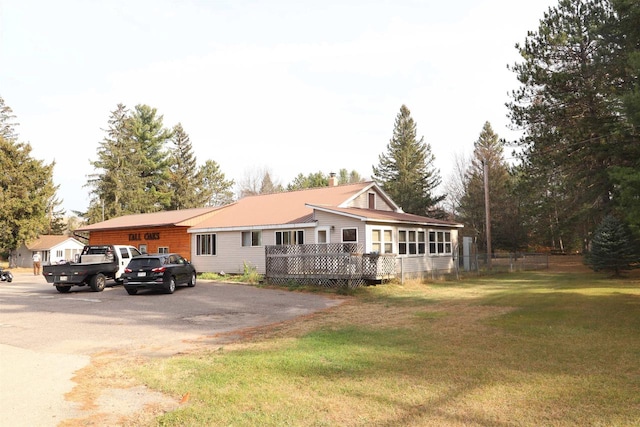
x,y
66,275
97,263
76,273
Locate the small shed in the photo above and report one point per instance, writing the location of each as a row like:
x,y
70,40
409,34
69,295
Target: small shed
x,y
53,249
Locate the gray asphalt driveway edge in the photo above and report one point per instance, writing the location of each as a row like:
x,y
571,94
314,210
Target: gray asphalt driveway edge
x,y
46,337
33,386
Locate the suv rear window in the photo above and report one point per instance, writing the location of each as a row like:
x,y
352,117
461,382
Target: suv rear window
x,y
145,262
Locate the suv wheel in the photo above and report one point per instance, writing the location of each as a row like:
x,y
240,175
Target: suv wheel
x,y
192,282
171,286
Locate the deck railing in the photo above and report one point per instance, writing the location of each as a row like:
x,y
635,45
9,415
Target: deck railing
x,y
346,265
330,264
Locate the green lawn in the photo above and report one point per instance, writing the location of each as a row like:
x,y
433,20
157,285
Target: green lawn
x,y
512,349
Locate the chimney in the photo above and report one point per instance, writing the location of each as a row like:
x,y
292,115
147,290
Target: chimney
x,y
333,181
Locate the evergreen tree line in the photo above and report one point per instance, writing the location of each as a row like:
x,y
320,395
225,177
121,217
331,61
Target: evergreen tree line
x,y
578,160
28,203
578,104
260,181
142,167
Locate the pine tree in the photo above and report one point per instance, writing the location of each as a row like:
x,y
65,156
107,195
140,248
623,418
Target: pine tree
x,y
55,216
184,179
346,177
506,232
132,169
7,123
612,247
267,186
406,171
625,35
313,180
26,186
116,182
214,189
151,158
569,109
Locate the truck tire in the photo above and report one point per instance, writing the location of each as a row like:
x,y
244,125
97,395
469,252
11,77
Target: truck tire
x,y
98,282
192,282
63,289
171,285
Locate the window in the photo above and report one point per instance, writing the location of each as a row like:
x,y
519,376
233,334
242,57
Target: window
x,y
290,237
388,241
205,244
163,250
175,259
251,238
376,241
349,235
124,254
143,248
381,241
411,242
59,253
440,242
372,200
322,236
422,246
413,249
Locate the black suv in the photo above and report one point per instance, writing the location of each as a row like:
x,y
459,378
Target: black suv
x,y
158,271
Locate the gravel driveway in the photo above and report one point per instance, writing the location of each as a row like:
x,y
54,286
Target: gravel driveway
x,y
46,336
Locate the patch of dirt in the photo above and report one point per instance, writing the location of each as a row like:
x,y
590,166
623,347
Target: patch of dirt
x,y
108,397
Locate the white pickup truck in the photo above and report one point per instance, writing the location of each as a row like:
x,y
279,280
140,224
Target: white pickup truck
x,y
95,265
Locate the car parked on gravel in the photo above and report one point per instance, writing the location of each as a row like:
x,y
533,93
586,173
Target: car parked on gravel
x,y
158,271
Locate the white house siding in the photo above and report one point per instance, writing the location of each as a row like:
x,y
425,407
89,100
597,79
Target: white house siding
x,y
231,256
339,222
418,266
64,251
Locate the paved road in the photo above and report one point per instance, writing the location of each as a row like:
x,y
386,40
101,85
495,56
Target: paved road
x,y
45,336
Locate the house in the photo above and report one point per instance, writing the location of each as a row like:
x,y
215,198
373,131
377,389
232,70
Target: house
x,y
157,232
362,213
227,238
52,248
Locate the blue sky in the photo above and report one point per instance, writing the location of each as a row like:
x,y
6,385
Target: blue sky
x,y
289,86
